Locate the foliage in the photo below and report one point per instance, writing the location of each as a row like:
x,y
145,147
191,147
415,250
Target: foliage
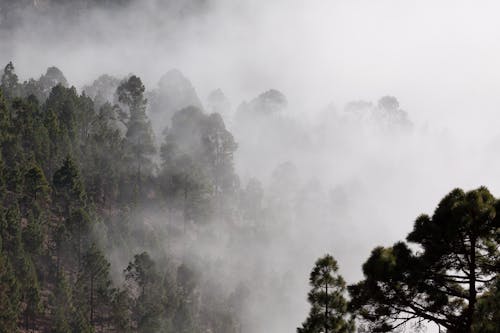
x,y
328,305
444,281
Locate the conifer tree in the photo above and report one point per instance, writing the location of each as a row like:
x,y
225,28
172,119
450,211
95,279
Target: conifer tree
x,y
9,296
32,297
444,281
62,306
94,281
69,191
35,184
9,81
328,304
147,307
79,226
139,140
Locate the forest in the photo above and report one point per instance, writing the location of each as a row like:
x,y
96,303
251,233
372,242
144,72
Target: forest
x,y
132,203
81,173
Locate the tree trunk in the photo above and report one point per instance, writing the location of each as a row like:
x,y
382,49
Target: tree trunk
x,y
326,308
91,300
472,285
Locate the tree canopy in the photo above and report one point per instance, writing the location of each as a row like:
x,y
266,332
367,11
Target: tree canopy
x,y
452,268
328,305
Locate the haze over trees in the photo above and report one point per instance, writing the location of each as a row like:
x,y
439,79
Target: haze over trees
x,y
81,251
139,198
75,175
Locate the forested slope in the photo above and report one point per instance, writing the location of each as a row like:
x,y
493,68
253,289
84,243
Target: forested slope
x,y
75,180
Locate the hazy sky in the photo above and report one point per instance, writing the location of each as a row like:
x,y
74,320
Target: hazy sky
x,y
440,58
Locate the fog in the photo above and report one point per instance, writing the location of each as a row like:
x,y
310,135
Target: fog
x,y
355,181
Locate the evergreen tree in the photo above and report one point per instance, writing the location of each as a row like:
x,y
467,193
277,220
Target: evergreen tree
x,y
11,232
147,308
443,282
33,235
120,311
5,120
35,184
62,306
328,304
69,191
53,77
488,310
9,81
79,227
32,298
56,150
9,296
184,318
139,141
95,283
104,161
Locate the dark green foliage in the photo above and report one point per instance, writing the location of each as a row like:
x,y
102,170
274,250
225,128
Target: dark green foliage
x,y
328,305
69,191
31,297
488,310
94,284
78,226
139,141
62,306
11,231
104,157
9,296
9,81
120,311
35,184
100,163
33,235
444,281
145,280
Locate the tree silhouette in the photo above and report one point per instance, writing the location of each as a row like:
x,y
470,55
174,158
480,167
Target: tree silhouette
x,y
328,305
440,283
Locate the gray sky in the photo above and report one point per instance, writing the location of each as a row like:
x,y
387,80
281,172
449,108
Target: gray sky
x,y
440,58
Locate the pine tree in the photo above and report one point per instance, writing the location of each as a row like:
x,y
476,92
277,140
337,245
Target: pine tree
x,y
94,281
328,305
79,226
11,232
35,184
69,187
9,296
9,81
120,311
443,282
147,309
62,306
32,297
139,140
33,235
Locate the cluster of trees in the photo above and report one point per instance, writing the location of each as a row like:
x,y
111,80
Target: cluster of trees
x,y
447,273
75,174
80,172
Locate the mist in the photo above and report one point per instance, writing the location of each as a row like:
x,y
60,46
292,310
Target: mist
x,y
337,178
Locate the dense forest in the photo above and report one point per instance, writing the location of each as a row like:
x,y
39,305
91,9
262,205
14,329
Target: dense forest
x,y
84,177
278,191
76,177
